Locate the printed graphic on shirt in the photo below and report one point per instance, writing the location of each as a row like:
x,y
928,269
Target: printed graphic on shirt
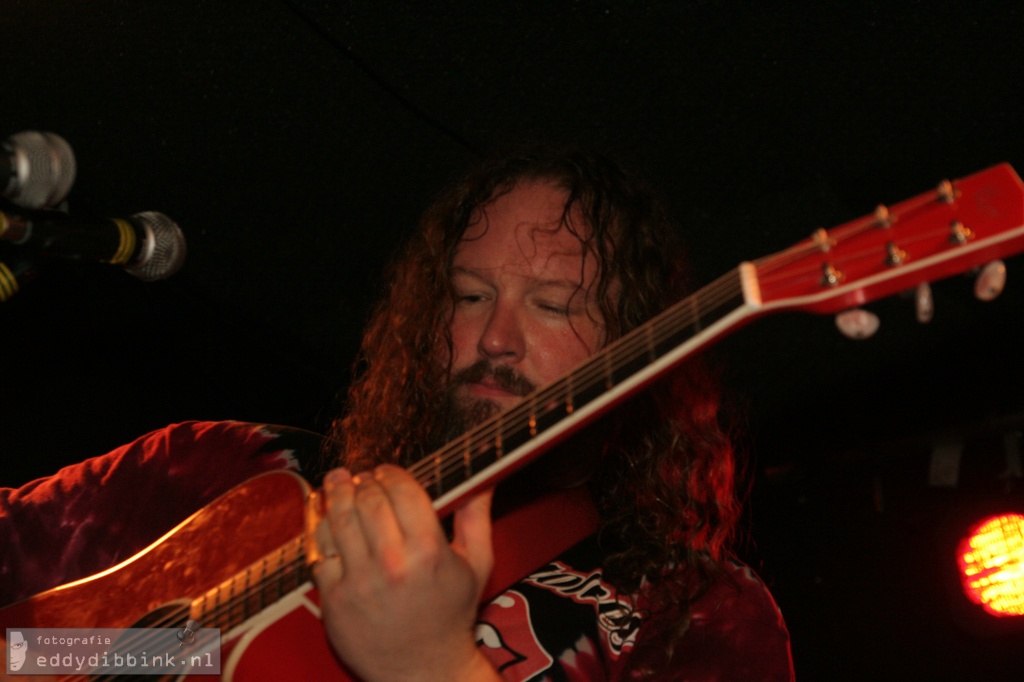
x,y
617,621
559,623
505,634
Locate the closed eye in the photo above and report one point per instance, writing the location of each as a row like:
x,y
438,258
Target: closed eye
x,y
556,310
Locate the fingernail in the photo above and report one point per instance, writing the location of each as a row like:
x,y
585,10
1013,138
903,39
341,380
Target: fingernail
x,y
337,476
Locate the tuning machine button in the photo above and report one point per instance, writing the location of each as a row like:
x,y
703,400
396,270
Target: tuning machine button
x,y
991,280
894,255
924,304
831,276
857,323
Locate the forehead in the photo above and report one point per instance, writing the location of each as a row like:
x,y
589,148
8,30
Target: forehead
x,y
526,229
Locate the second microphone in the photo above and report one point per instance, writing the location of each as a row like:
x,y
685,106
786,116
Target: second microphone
x,y
149,245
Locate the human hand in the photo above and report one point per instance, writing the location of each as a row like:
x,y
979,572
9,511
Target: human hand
x,y
399,601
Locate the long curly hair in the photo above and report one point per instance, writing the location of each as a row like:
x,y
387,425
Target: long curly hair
x,y
665,484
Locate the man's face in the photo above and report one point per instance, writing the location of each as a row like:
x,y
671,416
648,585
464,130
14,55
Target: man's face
x,y
526,310
18,651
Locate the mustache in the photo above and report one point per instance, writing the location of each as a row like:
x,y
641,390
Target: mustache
x,y
502,376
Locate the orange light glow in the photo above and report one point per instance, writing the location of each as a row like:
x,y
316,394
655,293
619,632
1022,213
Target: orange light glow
x,y
991,562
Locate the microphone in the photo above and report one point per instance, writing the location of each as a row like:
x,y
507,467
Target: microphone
x,y
36,169
149,245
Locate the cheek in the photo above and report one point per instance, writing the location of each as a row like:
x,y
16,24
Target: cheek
x,y
562,351
463,342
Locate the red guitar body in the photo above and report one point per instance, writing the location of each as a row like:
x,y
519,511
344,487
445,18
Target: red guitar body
x,y
285,639
235,531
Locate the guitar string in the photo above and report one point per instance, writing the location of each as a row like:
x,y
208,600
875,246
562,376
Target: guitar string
x,y
852,259
648,337
658,331
624,351
767,265
452,457
290,566
622,354
132,644
616,357
296,565
433,469
584,377
473,444
904,211
292,569
664,327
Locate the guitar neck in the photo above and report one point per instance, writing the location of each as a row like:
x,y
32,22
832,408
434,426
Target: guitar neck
x,y
959,225
511,439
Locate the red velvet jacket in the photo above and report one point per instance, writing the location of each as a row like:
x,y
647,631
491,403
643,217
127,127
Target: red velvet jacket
x,y
557,623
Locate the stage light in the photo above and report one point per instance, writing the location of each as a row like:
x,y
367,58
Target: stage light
x,y
991,560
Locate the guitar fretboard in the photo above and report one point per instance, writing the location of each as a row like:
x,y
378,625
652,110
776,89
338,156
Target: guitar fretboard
x,y
252,590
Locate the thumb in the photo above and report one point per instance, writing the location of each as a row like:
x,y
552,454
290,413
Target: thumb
x,y
472,541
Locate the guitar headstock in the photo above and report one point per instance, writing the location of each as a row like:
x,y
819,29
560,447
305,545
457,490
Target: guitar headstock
x,y
961,225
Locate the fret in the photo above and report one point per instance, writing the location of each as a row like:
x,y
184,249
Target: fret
x,y
241,600
286,572
240,595
262,584
695,312
569,407
278,586
231,602
218,610
652,351
299,569
609,378
212,601
533,419
467,459
438,480
198,609
499,438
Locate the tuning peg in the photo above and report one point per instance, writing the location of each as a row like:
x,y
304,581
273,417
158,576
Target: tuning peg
x,y
990,281
857,323
924,306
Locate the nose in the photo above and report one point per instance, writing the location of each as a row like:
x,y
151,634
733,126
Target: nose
x,y
502,336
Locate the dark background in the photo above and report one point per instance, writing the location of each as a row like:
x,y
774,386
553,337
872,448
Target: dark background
x,y
296,141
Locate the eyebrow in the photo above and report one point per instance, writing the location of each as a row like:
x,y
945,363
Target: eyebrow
x,y
559,283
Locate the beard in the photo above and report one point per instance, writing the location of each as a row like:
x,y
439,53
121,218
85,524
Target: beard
x,y
461,413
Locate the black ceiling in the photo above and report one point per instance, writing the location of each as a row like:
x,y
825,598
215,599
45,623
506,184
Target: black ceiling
x,y
295,141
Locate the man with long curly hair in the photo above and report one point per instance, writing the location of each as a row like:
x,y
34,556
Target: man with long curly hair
x,y
521,277
519,273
